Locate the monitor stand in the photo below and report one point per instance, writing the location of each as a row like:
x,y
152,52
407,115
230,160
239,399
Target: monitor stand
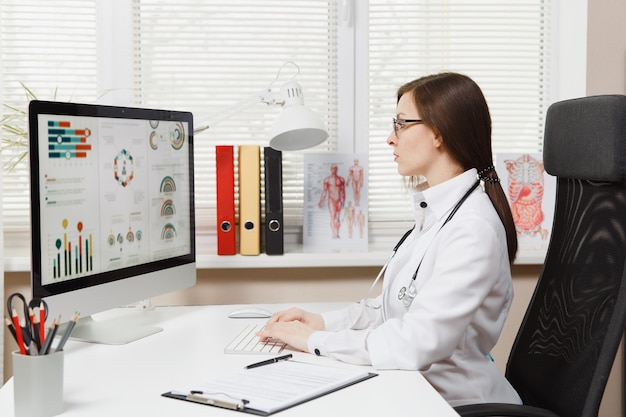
x,y
112,331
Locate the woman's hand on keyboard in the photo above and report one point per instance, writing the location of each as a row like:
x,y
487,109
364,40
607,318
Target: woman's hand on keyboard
x,y
313,320
294,333
292,326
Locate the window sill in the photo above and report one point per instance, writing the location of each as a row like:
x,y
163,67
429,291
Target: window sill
x,y
295,257
18,260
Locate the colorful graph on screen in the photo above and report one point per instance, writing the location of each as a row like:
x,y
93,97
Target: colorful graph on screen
x,y
168,232
168,208
177,136
74,252
67,142
168,185
124,168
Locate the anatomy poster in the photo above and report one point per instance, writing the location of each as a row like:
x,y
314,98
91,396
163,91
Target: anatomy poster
x,y
335,202
531,194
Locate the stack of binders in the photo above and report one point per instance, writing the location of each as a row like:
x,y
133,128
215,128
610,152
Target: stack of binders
x,y
249,187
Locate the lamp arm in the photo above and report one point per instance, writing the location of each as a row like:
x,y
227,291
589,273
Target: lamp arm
x,y
264,96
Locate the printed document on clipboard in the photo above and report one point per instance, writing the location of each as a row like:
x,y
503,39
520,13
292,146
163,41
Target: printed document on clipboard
x,y
267,389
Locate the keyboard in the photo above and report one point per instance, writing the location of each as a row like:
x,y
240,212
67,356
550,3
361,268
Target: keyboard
x,y
247,342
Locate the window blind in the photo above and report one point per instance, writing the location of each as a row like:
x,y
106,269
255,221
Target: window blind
x,y
208,56
205,56
503,46
50,49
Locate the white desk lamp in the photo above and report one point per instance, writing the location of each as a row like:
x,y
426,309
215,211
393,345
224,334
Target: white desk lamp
x,y
296,128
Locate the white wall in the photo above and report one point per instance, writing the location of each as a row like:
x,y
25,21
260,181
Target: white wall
x,y
606,47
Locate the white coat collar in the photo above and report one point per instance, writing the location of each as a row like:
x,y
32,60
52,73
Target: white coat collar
x,y
431,204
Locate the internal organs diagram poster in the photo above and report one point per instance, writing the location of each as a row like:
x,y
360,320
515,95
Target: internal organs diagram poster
x,y
531,194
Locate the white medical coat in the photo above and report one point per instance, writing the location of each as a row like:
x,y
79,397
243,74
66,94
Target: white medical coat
x,y
464,292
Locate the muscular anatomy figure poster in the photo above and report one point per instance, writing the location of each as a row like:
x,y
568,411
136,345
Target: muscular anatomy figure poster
x,y
335,202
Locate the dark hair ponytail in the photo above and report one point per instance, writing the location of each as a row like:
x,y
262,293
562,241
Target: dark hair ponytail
x,y
494,190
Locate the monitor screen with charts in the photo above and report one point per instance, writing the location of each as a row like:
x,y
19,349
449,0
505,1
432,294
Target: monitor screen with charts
x,y
112,207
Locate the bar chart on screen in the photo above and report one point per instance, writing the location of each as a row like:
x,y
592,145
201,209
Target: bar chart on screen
x,y
65,141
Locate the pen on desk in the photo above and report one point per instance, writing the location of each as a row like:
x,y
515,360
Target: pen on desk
x,y
18,332
269,361
68,330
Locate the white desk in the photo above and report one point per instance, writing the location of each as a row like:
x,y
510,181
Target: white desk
x,y
128,380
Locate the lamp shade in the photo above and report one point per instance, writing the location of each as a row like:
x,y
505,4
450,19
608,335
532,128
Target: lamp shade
x,y
297,127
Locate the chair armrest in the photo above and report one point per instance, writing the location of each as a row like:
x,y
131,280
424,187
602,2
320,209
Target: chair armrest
x,y
502,409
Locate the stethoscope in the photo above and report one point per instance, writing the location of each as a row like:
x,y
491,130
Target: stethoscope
x,y
407,294
384,268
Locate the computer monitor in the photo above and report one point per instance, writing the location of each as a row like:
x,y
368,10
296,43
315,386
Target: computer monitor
x,y
112,210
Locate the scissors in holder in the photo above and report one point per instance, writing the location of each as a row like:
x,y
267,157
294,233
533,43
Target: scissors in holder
x,y
31,334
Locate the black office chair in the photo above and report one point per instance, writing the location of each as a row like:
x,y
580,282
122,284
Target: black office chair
x,y
566,345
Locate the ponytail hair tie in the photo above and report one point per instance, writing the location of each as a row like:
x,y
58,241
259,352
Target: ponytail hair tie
x,y
492,179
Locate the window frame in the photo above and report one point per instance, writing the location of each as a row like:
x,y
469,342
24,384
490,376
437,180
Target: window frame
x,y
115,63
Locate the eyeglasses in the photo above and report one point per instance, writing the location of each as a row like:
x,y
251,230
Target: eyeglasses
x,y
399,124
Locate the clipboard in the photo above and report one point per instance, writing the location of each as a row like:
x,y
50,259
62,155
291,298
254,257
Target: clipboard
x,y
220,394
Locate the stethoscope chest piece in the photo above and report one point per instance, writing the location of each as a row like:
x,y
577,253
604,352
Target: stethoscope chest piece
x,y
401,293
406,295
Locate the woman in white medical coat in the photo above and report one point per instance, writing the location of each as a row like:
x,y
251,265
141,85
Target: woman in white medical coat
x,y
447,289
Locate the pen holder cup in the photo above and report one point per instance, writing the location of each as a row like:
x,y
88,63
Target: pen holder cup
x,y
38,384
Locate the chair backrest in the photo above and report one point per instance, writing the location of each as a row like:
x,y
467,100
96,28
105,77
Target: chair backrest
x,y
564,350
